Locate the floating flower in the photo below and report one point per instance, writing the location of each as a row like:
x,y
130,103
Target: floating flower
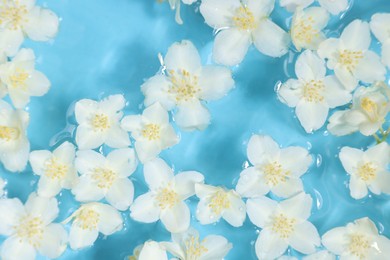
x,y
350,58
166,197
21,17
14,145
29,228
358,240
216,203
334,7
106,177
149,250
151,131
186,84
89,220
283,224
56,169
380,26
21,80
188,246
2,185
274,169
306,27
99,123
313,93
241,23
368,170
370,106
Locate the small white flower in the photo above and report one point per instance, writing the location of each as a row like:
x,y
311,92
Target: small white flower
x,y
89,220
150,250
306,27
188,246
350,58
274,169
216,203
21,80
175,4
21,17
283,224
186,84
166,197
14,145
151,131
106,177
334,7
29,228
2,185
358,240
320,255
380,26
368,169
99,123
313,93
56,169
370,106
241,23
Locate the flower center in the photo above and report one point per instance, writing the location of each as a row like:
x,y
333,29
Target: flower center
x,y
100,122
184,85
167,198
55,169
18,79
358,246
367,172
244,19
30,230
274,173
219,202
151,132
312,91
371,108
194,249
87,218
13,14
283,225
350,59
9,133
104,177
304,32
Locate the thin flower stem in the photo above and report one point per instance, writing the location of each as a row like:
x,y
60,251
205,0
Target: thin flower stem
x,y
377,139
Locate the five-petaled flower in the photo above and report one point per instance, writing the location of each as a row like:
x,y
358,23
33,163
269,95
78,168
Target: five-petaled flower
x,y
106,177
283,224
151,131
241,23
56,169
166,197
274,169
29,228
380,27
186,84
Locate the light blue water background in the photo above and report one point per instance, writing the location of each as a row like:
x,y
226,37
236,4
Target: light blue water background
x,y
106,47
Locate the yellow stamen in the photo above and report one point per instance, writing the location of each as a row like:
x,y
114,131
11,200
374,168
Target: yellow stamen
x,y
274,173
55,169
244,19
151,132
312,91
87,218
358,246
167,198
367,172
13,14
19,78
194,249
9,133
30,230
350,59
100,122
219,202
104,177
283,225
184,85
304,31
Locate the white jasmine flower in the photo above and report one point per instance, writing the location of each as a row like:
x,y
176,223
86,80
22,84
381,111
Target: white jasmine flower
x,y
306,27
188,246
21,80
370,106
320,255
242,23
14,145
2,185
380,27
99,123
151,131
334,7
216,203
166,197
56,169
149,250
283,224
368,170
106,177
350,58
274,169
89,220
358,240
29,228
21,17
313,93
175,4
186,85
